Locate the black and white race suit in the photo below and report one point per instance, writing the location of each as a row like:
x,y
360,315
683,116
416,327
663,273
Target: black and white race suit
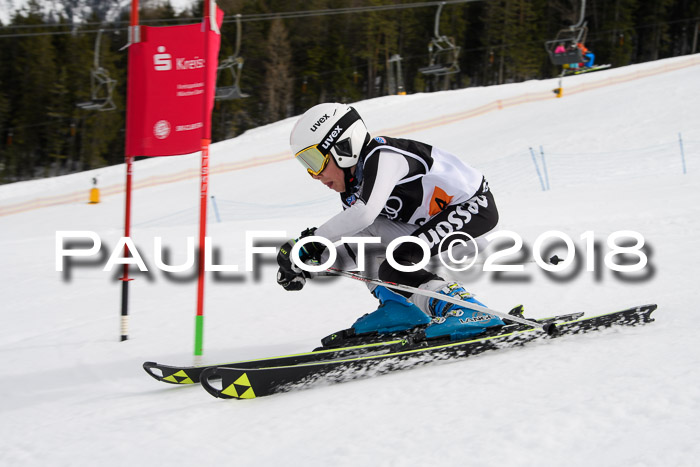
x,y
409,188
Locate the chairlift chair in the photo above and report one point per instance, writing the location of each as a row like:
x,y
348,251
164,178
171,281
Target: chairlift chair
x,y
443,52
234,64
569,38
101,84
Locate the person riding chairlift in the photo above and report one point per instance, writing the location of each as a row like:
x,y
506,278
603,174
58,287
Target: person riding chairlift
x,y
587,54
572,66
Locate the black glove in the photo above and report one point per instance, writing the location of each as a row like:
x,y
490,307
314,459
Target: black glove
x,y
289,275
311,251
290,280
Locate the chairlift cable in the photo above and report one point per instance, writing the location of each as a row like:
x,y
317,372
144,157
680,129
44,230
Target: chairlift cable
x,y
232,18
272,16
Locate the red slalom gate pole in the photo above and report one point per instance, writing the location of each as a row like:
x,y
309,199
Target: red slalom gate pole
x,y
208,21
134,36
127,232
204,187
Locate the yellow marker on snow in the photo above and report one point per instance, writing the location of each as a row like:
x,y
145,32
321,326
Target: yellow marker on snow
x,y
94,195
94,192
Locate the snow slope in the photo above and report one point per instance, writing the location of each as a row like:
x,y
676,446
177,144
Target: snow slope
x,y
74,395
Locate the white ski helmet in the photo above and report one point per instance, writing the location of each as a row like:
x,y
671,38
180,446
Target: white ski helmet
x,y
325,130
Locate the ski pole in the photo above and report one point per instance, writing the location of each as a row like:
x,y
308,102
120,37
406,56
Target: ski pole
x,y
549,328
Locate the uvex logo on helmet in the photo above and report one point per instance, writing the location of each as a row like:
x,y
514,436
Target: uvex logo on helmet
x,y
318,123
330,139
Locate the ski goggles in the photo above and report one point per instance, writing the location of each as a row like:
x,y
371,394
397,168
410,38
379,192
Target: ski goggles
x,y
315,158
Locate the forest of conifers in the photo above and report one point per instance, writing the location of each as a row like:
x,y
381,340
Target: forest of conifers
x,y
293,61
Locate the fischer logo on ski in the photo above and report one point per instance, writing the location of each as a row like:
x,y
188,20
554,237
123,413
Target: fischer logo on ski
x,y
240,389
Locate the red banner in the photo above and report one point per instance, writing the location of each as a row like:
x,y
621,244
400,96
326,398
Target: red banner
x,y
172,70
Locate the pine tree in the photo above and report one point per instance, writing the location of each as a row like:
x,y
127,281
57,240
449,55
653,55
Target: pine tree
x,y
653,42
4,133
619,24
684,28
278,85
496,36
526,35
59,108
36,66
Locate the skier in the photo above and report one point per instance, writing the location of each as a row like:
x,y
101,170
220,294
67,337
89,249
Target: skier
x,y
390,188
587,55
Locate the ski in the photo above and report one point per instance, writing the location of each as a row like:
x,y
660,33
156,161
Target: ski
x,y
580,71
191,374
249,383
355,345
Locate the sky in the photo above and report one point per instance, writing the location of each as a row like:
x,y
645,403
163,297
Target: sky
x,y
9,7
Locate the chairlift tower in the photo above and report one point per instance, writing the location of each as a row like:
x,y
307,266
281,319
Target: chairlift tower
x,y
395,76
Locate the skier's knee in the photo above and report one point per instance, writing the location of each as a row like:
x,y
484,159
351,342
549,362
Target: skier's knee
x,y
414,278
